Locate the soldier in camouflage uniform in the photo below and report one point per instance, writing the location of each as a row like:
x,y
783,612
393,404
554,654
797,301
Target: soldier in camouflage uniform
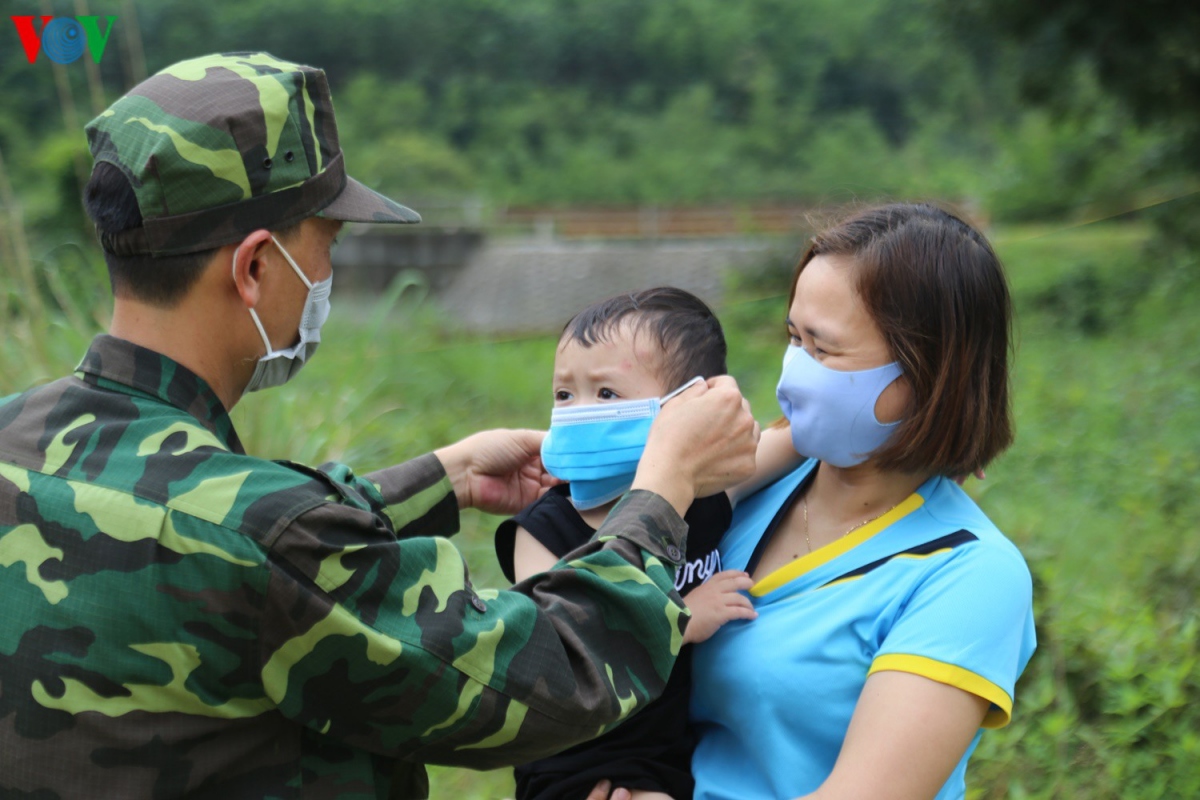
x,y
182,619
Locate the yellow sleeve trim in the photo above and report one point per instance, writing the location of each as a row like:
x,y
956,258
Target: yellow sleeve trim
x,y
823,555
997,716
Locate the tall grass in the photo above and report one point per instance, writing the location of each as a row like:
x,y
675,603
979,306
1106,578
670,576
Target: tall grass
x,y
1101,490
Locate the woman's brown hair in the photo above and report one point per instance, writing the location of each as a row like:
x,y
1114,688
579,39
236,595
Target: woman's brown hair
x,y
937,291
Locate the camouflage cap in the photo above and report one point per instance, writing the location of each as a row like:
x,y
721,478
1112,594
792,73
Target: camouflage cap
x,y
219,146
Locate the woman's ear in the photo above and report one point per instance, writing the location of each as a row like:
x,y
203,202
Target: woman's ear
x,y
247,261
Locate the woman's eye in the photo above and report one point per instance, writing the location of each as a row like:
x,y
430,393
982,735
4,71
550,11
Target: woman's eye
x,y
607,394
795,340
562,396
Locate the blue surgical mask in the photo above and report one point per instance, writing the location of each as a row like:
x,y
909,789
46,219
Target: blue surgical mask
x,y
277,367
832,413
596,448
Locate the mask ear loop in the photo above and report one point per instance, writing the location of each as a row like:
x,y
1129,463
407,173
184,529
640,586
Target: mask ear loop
x,y
253,314
682,389
291,261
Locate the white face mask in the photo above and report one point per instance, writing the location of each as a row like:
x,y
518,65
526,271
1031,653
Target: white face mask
x,y
277,367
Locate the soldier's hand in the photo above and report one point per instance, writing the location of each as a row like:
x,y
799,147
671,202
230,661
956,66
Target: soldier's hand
x,y
702,442
498,471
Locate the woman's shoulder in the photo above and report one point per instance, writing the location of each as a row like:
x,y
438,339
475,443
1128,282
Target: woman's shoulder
x,y
946,503
966,597
966,608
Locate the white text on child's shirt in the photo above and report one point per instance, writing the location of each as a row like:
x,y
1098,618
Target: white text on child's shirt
x,y
698,571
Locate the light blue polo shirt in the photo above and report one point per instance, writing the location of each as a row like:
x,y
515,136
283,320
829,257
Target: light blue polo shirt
x,y
931,588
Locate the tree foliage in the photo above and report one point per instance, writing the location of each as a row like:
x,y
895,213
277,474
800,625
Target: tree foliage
x,y
1142,53
535,102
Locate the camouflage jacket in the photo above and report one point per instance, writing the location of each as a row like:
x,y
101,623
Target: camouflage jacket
x,y
184,620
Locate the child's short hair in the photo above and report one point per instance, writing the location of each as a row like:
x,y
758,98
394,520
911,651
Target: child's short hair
x,y
685,329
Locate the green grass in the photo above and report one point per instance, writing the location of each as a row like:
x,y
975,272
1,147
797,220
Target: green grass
x,y
1102,493
1101,490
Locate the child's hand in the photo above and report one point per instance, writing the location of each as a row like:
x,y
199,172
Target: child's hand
x,y
717,601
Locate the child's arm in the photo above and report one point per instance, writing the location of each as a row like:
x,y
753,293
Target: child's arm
x,y
530,556
774,457
717,601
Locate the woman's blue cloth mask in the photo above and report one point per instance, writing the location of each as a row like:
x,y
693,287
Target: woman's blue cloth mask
x,y
831,412
596,448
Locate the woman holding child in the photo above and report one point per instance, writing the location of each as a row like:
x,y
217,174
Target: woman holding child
x,y
888,619
893,618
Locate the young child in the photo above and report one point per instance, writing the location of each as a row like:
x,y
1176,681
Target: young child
x,y
617,362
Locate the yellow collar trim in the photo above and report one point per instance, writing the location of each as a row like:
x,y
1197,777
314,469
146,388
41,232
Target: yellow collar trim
x,y
823,555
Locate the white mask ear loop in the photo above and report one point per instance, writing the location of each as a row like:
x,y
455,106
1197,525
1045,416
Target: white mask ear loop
x,y
254,315
682,389
288,256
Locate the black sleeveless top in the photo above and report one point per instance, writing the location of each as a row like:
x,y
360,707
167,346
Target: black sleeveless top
x,y
653,750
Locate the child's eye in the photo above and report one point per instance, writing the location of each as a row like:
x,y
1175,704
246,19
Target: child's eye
x,y
607,394
793,339
562,396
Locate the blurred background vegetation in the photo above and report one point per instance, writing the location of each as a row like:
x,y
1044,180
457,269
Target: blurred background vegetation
x,y
1070,130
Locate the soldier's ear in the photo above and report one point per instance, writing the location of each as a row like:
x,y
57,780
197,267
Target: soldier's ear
x,y
247,264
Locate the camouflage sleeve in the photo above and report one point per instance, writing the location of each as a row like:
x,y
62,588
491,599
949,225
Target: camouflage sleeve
x,y
416,496
383,643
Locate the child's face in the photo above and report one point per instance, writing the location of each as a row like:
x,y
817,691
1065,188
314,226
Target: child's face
x,y
621,368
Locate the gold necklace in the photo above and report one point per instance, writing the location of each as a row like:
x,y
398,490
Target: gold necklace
x,y
808,542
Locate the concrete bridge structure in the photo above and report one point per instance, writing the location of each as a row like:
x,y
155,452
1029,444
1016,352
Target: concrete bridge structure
x,y
536,282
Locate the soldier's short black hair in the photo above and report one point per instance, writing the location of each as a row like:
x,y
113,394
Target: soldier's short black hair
x,y
112,205
685,329
109,200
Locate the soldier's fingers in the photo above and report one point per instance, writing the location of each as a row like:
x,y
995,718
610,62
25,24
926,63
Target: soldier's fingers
x,y
718,381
